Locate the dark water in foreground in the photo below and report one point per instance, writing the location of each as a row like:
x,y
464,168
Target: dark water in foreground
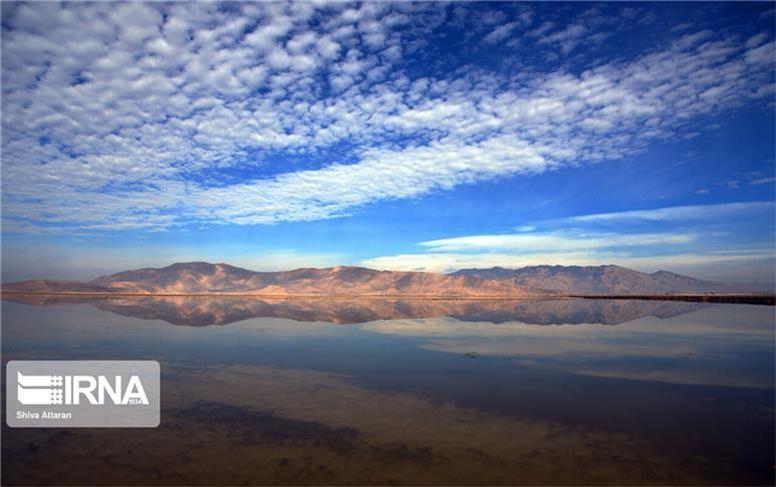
x,y
412,392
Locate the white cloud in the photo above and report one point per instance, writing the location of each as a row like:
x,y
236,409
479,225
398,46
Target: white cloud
x,y
567,38
545,27
680,213
518,250
756,182
500,33
136,116
553,242
328,48
756,40
763,54
703,265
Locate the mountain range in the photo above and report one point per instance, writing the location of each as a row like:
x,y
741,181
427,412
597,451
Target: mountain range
x,y
206,278
605,279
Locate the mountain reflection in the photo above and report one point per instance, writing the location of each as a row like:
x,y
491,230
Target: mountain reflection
x,y
188,311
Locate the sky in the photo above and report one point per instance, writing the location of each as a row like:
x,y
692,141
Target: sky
x,y
406,136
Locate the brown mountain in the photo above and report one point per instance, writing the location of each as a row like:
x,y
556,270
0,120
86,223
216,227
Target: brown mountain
x,y
204,278
606,279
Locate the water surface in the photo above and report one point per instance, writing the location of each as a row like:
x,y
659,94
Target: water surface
x,y
412,392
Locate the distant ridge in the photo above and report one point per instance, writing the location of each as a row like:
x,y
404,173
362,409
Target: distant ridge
x,y
54,286
207,278
604,279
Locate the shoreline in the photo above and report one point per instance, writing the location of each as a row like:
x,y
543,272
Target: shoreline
x,y
731,298
761,299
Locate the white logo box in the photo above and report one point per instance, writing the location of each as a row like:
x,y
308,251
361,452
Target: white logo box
x,y
82,393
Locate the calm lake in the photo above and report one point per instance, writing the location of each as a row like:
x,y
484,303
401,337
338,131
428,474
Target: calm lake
x,y
411,392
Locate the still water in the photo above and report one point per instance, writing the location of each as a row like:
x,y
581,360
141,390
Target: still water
x,y
411,392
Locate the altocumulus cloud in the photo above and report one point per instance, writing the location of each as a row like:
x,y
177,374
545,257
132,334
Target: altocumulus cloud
x,y
154,115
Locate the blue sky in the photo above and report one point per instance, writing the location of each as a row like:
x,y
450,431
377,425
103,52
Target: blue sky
x,y
409,136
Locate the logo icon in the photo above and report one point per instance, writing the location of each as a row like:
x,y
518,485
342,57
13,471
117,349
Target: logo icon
x,y
80,393
39,389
